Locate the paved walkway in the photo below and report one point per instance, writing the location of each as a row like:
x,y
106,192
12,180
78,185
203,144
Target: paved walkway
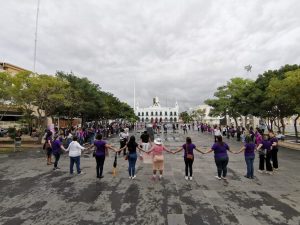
x,y
31,193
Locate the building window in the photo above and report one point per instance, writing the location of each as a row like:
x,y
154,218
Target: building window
x,y
175,114
147,114
171,114
143,120
166,113
151,113
156,113
166,119
142,113
175,119
147,119
139,114
171,119
160,113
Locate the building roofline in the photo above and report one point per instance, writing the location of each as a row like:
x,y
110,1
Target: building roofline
x,y
9,65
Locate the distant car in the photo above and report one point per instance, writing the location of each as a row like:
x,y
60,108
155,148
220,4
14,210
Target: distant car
x,y
3,131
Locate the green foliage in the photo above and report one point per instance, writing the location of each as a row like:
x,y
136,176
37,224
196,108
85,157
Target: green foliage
x,y
185,117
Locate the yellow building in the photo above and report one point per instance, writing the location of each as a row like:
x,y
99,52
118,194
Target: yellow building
x,y
10,68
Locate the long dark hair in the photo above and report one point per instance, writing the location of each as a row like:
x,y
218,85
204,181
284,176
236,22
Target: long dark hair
x,y
220,140
131,142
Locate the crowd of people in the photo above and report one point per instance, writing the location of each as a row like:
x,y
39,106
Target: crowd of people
x,y
265,144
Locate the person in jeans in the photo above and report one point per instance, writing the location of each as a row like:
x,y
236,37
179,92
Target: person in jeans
x,y
264,150
123,141
274,152
74,150
132,156
188,148
249,149
220,149
100,153
56,148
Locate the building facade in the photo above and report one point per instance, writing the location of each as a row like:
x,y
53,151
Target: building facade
x,y
157,113
203,115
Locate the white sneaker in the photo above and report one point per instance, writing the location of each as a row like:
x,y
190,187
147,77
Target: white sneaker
x,y
160,177
191,178
260,171
186,177
269,172
130,177
224,178
276,169
219,178
133,177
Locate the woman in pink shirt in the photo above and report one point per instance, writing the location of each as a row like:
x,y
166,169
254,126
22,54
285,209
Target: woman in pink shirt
x,y
158,157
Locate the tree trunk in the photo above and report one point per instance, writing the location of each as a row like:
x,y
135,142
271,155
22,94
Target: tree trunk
x,y
282,125
235,121
296,130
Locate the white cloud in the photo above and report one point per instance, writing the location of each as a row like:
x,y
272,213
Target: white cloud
x,y
178,50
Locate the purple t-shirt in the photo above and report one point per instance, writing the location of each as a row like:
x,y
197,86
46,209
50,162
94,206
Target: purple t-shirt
x,y
100,147
190,149
249,149
266,145
220,150
56,146
272,140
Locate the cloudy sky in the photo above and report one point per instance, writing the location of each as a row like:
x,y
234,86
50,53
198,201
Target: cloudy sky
x,y
175,49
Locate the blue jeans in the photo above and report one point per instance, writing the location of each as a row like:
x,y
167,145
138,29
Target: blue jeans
x,y
132,160
250,169
75,160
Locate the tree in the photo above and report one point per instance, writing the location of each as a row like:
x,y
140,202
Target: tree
x,y
232,99
198,114
285,96
266,105
185,117
5,94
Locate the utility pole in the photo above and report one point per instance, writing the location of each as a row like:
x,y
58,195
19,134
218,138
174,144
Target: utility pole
x,y
36,30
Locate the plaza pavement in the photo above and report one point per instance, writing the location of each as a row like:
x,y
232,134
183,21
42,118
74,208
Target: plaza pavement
x,y
31,193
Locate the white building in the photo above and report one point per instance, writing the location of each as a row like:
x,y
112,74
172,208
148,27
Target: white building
x,y
157,113
205,117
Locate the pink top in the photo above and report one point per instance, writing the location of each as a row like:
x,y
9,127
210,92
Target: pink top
x,y
157,150
258,139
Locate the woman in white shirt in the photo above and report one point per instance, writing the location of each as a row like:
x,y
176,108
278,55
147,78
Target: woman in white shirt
x,y
74,150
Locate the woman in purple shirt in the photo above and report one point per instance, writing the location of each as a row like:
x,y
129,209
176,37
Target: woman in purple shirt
x,y
220,149
249,149
274,142
56,150
265,149
188,156
100,153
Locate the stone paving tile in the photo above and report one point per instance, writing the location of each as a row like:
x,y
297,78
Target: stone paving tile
x,y
31,193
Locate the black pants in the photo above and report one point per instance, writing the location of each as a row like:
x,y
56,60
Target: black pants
x,y
57,157
222,166
262,159
274,158
100,162
268,161
188,166
122,144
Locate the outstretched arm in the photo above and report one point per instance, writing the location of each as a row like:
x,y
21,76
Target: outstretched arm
x,y
259,147
241,150
198,150
209,151
177,150
167,150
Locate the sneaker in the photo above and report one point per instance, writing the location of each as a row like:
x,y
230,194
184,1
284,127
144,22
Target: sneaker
x,y
269,172
276,169
57,168
130,177
260,171
101,177
153,177
133,177
247,176
219,178
224,178
81,173
186,177
54,168
191,178
160,177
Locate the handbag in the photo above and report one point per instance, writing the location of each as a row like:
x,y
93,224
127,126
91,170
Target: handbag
x,y
188,156
126,157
